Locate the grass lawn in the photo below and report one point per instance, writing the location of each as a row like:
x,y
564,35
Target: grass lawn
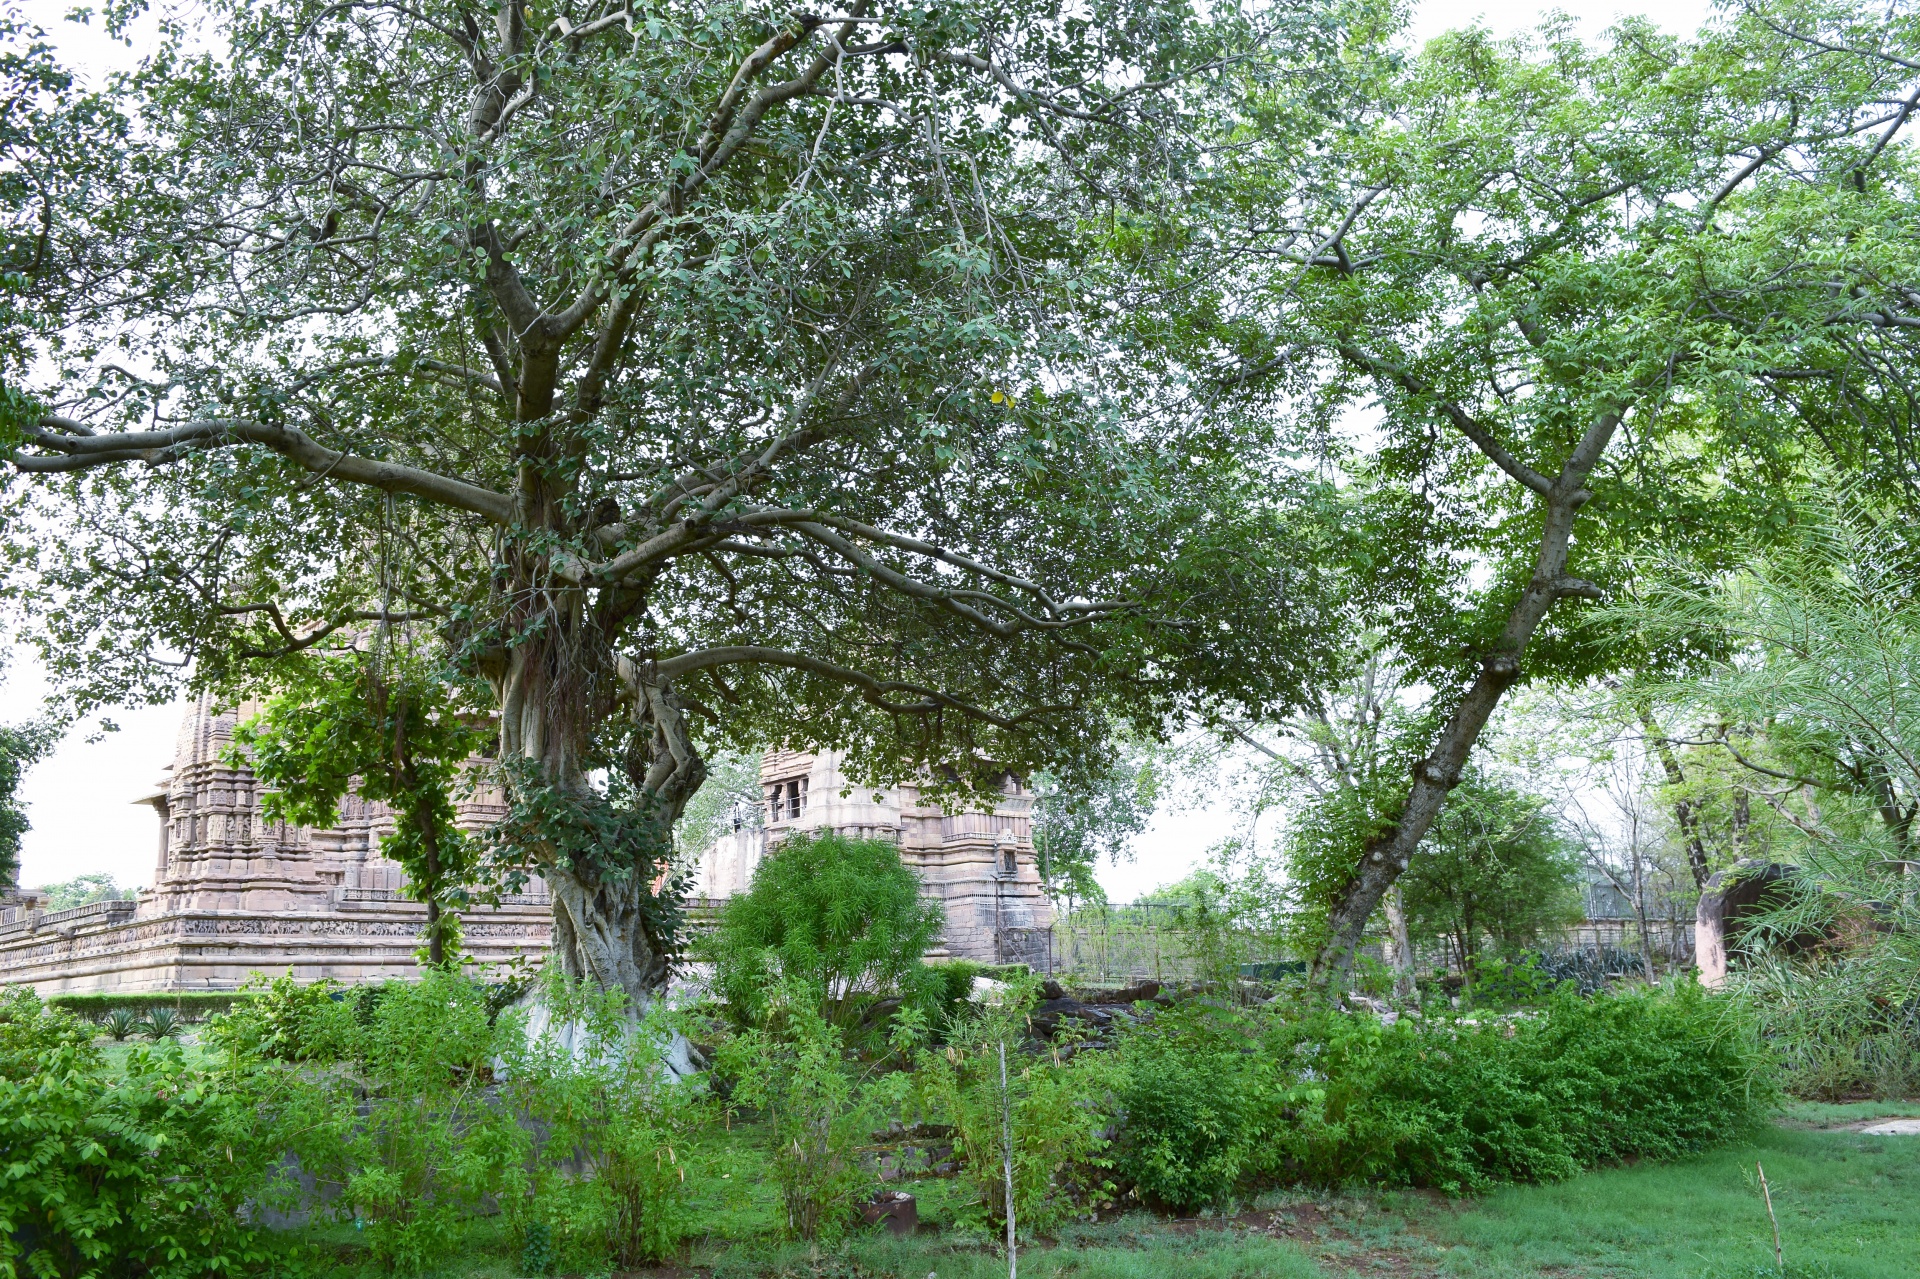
x,y
1849,1208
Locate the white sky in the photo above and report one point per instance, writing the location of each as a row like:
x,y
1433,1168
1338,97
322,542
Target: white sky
x,y
82,799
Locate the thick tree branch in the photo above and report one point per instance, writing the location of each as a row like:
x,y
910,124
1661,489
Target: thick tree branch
x,y
876,692
76,449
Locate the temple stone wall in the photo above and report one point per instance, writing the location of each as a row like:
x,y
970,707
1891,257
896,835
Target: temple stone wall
x,y
234,895
979,866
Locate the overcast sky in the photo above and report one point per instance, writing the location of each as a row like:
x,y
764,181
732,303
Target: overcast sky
x,y
83,800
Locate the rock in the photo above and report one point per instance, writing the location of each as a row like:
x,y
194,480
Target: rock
x,y
896,1208
1131,994
987,991
1047,1017
1746,888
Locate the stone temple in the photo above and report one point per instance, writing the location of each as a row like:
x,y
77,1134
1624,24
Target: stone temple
x,y
233,895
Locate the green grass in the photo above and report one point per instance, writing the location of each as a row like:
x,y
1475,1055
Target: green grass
x,y
1849,1207
1146,1255
1826,1114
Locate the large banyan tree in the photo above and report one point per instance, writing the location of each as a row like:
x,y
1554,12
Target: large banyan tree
x,y
692,372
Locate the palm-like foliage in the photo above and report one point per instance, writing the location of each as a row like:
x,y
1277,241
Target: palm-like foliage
x,y
1819,647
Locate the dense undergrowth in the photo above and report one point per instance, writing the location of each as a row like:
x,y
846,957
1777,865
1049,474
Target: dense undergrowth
x,y
417,1114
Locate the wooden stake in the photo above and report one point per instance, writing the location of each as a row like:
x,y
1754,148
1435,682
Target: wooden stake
x,y
1778,1263
1006,1148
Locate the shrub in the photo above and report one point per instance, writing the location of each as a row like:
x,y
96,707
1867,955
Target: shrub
x,y
194,1005
1190,1089
120,1024
597,1079
162,1023
834,915
1059,1108
391,1112
284,1020
431,1147
1463,1104
143,1172
794,1069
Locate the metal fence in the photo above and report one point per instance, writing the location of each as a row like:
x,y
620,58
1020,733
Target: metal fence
x,y
1123,944
1158,940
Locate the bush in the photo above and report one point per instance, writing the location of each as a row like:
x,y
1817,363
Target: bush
x,y
385,1098
1191,1091
415,1140
281,1019
1060,1108
162,1023
192,1005
120,1024
834,915
143,1172
794,1069
1461,1104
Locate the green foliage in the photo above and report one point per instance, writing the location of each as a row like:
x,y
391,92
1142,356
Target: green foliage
x,y
1817,644
20,746
120,1024
1079,821
1322,848
285,1020
841,917
1058,1111
144,1170
84,890
805,449
162,1023
194,1005
596,1078
1192,1096
1496,866
728,800
794,1069
378,728
386,1101
1461,1104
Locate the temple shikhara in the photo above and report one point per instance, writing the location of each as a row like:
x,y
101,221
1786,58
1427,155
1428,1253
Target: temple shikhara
x,y
233,895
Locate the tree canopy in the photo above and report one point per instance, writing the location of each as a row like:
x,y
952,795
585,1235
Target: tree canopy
x,y
1597,303
697,375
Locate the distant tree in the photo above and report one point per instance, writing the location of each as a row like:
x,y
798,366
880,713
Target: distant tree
x,y
21,747
729,800
84,890
1496,868
1080,822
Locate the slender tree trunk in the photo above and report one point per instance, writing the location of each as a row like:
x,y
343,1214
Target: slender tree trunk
x,y
1684,814
1640,912
1403,984
1391,852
